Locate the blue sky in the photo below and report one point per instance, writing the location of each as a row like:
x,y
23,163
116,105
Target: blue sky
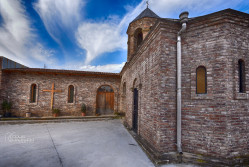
x,y
87,35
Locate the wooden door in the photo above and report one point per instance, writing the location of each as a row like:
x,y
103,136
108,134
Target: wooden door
x,y
105,100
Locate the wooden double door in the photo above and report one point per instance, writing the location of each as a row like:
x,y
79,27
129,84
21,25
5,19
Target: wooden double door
x,y
105,100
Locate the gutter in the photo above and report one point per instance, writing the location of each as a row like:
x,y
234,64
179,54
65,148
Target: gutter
x,y
183,20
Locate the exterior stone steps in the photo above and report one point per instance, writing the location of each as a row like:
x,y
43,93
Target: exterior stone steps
x,y
31,120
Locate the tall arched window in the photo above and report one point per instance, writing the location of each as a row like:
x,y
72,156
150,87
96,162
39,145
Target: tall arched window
x,y
138,37
70,94
33,93
124,88
201,80
242,78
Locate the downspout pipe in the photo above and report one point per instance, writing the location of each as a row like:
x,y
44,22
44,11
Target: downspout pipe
x,y
183,20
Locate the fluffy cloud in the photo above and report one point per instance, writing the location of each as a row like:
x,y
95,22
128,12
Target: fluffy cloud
x,y
104,68
103,37
15,30
16,35
59,16
99,38
63,20
114,68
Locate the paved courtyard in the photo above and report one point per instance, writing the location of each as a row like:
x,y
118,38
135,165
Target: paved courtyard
x,y
71,144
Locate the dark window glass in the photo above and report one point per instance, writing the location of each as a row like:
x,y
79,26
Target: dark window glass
x,y
138,37
70,94
33,93
124,89
242,78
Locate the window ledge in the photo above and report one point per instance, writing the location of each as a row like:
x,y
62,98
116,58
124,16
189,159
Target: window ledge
x,y
32,104
241,96
71,103
201,96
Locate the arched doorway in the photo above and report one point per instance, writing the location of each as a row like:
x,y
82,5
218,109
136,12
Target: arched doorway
x,y
105,100
135,107
135,110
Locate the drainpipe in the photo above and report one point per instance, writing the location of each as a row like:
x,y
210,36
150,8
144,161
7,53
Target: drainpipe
x,y
183,20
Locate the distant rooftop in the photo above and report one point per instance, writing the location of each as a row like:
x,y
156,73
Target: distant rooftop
x,y
146,13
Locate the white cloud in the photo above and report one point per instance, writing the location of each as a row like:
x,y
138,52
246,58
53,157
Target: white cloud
x,y
103,37
15,31
59,16
115,68
104,68
99,38
17,37
18,40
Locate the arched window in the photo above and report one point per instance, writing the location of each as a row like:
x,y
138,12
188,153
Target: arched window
x,y
135,83
70,94
242,78
124,88
33,93
201,80
138,37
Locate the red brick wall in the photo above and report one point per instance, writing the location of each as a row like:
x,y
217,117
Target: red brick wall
x,y
17,88
144,67
215,124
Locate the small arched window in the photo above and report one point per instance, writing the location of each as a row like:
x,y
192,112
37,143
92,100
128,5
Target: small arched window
x,y
124,88
201,80
33,89
138,37
70,94
242,78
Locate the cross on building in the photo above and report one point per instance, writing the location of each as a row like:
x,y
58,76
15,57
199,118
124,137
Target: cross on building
x,y
52,94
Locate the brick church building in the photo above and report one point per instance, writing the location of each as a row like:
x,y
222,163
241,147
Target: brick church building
x,y
184,88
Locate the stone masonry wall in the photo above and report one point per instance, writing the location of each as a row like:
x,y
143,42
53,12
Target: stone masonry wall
x,y
167,87
238,105
204,115
215,124
17,90
143,72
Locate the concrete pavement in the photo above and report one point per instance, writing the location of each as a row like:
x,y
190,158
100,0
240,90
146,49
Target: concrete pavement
x,y
70,144
85,144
